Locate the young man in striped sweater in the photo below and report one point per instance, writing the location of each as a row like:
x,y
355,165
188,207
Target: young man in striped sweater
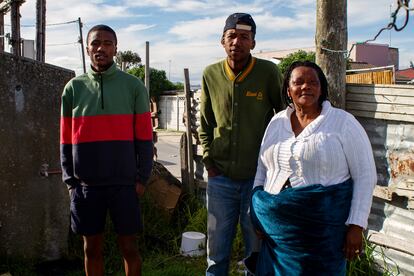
x,y
106,152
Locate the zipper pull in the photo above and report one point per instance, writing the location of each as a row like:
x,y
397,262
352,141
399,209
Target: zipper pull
x,y
102,92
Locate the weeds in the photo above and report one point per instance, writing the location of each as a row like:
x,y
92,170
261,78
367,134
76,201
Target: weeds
x,y
160,246
366,264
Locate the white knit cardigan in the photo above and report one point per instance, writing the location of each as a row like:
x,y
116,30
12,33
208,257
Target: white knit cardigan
x,y
331,149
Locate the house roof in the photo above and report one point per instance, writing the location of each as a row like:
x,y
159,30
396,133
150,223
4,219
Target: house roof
x,y
355,65
406,73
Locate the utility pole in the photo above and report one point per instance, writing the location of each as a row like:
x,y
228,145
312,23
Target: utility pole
x,y
81,43
40,30
169,70
147,67
331,46
1,31
4,8
15,27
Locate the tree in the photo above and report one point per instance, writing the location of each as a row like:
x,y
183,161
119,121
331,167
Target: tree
x,y
331,44
411,64
296,56
127,59
158,80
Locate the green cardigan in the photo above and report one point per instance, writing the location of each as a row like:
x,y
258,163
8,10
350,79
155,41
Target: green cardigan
x,y
235,111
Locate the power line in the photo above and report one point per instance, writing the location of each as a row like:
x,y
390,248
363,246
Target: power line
x,y
62,23
401,4
62,44
51,24
405,4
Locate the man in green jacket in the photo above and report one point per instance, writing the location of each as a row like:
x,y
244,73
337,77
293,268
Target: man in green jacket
x,y
240,94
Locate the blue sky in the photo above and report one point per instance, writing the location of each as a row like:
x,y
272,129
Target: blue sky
x,y
186,33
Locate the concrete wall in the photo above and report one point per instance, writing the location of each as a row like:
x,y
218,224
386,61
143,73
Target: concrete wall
x,y
34,210
171,110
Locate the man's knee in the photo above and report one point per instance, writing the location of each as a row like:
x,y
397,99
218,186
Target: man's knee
x,y
128,246
93,246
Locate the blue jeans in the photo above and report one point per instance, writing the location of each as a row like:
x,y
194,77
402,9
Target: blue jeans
x,y
228,202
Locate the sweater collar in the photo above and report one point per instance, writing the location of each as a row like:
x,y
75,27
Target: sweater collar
x,y
243,74
313,126
109,72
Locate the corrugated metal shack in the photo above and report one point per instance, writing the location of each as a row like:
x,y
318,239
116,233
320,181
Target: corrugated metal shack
x,y
387,114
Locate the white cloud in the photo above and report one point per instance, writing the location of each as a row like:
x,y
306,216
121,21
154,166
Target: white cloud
x,y
88,11
206,7
136,28
273,23
198,29
191,37
362,13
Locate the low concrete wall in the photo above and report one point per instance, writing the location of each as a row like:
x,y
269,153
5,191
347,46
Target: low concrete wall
x,y
34,210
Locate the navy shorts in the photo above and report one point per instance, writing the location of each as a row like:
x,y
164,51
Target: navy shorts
x,y
90,205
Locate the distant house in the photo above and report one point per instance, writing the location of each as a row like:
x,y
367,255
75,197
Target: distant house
x,y
370,62
277,56
405,76
369,53
375,54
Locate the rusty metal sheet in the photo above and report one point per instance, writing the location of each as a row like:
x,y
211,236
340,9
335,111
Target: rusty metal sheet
x,y
394,221
393,147
392,211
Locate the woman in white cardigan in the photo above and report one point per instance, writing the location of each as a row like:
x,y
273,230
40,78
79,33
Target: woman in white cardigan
x,y
310,152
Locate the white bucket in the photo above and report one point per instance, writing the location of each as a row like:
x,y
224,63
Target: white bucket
x,y
193,244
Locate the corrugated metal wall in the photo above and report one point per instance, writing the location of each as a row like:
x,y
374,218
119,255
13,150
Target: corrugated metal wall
x,y
386,114
171,110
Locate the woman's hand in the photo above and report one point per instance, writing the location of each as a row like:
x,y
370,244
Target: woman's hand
x,y
353,242
260,235
139,189
213,171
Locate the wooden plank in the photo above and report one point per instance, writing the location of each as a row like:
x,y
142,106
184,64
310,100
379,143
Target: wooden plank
x,y
382,116
380,77
387,108
391,242
386,99
383,192
400,91
188,132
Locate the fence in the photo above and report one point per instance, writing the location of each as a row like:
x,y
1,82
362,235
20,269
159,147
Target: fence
x,y
387,114
378,75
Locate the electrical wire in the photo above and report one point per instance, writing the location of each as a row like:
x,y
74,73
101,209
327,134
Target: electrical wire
x,y
405,4
62,44
401,3
47,25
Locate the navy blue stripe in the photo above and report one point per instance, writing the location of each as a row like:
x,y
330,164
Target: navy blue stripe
x,y
145,151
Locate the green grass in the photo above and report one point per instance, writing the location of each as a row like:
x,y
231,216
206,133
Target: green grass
x,y
367,265
160,245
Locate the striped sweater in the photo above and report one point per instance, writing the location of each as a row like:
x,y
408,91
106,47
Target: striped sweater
x,y
105,130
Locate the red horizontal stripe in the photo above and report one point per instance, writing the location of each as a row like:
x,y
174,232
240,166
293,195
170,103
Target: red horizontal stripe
x,y
65,130
143,126
103,128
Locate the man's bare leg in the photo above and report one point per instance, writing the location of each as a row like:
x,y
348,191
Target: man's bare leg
x,y
130,253
93,248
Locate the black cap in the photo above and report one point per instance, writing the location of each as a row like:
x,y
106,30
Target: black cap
x,y
243,18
